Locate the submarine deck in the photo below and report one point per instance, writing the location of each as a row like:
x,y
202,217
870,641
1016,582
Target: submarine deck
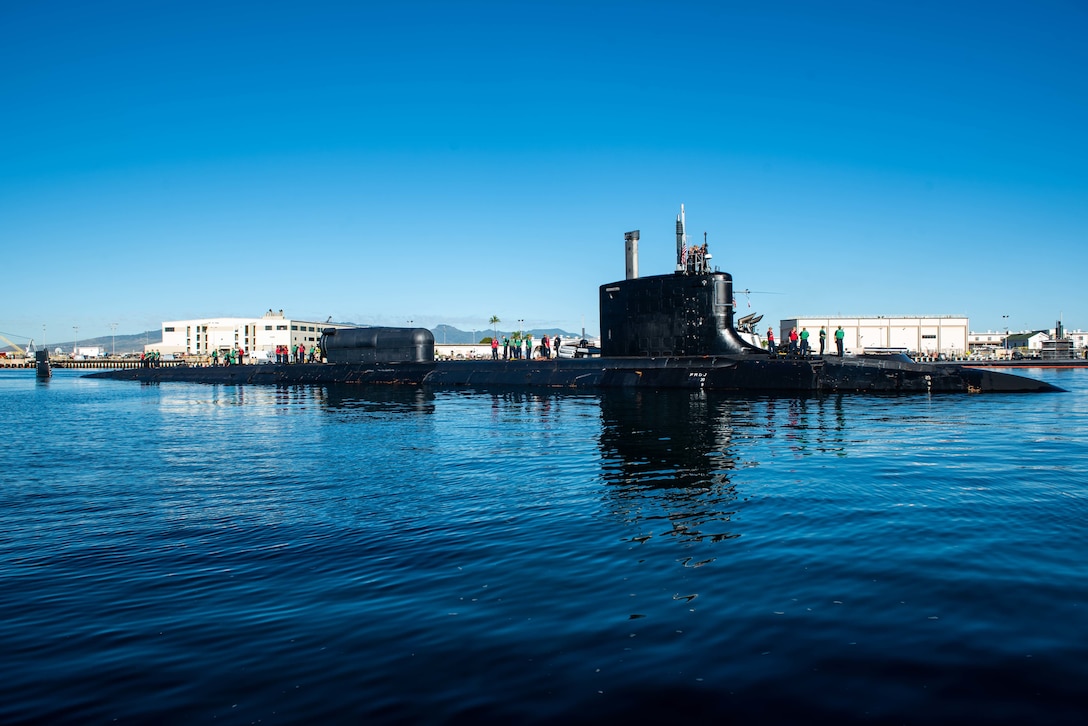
x,y
742,373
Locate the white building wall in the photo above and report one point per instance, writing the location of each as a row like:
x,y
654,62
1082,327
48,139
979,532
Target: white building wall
x,y
254,335
987,340
929,335
1035,342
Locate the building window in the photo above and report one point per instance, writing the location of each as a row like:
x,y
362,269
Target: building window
x,y
268,327
281,327
294,327
168,329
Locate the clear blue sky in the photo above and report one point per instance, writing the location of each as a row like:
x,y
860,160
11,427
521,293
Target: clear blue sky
x,y
443,162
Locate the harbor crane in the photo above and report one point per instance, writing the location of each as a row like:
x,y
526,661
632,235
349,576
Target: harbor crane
x,y
28,352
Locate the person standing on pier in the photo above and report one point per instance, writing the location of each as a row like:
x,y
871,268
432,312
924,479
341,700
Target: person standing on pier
x,y
839,335
823,339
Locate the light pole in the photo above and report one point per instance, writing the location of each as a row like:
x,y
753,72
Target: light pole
x,y
75,345
113,340
1005,322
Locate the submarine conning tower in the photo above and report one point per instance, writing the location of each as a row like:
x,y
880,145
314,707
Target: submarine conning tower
x,y
687,313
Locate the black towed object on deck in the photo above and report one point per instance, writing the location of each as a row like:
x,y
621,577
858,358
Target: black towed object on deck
x,y
662,331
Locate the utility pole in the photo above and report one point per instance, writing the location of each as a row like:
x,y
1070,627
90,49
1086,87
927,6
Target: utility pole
x,y
113,342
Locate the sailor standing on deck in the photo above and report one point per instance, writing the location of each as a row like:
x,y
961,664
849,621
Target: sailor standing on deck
x,y
771,347
823,339
839,335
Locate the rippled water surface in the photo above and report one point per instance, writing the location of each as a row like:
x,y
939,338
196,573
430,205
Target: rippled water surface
x,y
184,552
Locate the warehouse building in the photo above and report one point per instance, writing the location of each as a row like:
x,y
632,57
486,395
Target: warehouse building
x,y
925,335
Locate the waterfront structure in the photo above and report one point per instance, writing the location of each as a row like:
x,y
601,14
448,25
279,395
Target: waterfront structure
x,y
1080,342
259,337
1056,342
988,342
928,335
1026,342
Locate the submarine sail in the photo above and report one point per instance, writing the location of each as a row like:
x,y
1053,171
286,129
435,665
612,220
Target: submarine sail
x,y
687,313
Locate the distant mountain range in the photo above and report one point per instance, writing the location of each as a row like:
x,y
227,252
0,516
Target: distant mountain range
x,y
134,343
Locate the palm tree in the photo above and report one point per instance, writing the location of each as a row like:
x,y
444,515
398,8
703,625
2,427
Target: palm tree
x,y
494,322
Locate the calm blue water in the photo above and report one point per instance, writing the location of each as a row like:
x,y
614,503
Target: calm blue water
x,y
181,553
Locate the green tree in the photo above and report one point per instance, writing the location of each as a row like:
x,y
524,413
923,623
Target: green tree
x,y
494,322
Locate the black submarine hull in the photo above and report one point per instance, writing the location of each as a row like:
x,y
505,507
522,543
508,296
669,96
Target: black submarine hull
x,y
740,373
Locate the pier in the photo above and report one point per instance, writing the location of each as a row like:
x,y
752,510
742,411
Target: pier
x,y
99,364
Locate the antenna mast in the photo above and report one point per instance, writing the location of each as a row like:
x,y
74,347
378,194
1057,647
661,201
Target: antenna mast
x,y
681,239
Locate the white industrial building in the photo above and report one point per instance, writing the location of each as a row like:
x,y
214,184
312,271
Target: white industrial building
x,y
989,341
928,335
257,336
1028,342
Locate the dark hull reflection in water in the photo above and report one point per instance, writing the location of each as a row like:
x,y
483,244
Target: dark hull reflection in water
x,y
670,457
375,399
356,554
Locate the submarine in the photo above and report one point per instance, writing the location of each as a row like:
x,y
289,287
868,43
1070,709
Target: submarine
x,y
672,330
